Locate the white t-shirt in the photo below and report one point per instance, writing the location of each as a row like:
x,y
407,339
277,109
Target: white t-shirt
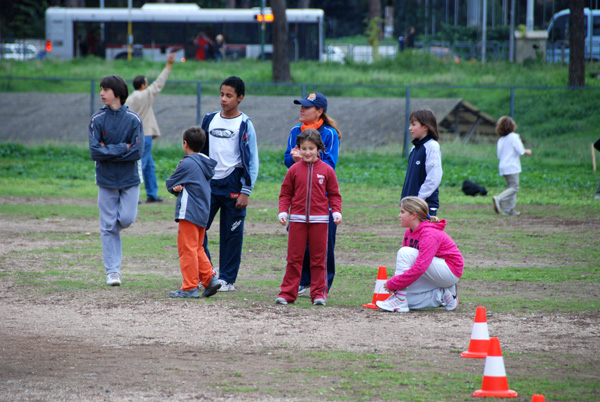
x,y
224,144
510,149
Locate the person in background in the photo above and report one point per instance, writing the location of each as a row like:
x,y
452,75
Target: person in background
x,y
219,48
510,149
116,145
202,42
313,114
424,171
141,102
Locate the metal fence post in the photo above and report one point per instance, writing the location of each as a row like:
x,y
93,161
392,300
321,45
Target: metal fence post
x,y
303,90
199,103
512,103
92,96
406,121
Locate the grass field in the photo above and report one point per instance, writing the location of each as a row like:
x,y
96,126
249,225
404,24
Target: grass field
x,y
537,275
66,336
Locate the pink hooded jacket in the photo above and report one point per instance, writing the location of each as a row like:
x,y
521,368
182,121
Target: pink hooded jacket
x,y
431,241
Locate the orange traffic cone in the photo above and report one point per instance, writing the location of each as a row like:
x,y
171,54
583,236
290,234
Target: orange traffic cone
x,y
480,338
379,294
494,376
538,398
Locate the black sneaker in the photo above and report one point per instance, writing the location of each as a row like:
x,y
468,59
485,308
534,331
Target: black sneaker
x,y
212,287
152,199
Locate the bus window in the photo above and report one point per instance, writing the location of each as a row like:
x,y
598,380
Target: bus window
x,y
596,26
560,29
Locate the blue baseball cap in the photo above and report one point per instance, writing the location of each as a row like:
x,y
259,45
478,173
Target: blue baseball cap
x,y
314,99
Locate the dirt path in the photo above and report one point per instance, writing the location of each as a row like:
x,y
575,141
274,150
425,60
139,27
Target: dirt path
x,y
111,345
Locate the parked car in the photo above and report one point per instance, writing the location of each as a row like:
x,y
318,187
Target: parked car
x,y
17,51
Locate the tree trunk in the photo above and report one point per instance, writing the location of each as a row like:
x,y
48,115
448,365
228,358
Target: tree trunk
x,y
375,12
245,4
230,4
281,60
303,3
576,44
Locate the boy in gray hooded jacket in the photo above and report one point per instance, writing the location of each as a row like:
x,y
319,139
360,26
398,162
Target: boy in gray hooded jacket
x,y
191,184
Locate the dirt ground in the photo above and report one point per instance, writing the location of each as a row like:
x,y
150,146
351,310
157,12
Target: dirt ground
x,y
111,345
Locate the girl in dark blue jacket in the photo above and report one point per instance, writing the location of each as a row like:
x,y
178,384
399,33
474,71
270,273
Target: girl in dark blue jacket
x,y
424,172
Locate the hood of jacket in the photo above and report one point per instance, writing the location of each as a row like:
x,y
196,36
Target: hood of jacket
x,y
426,225
206,164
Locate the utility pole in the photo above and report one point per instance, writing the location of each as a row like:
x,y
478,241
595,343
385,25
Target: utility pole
x,y
129,32
262,30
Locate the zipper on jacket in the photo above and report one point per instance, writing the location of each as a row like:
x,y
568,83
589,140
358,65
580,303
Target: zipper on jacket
x,y
309,190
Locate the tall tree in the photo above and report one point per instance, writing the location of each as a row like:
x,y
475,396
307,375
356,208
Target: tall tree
x,y
230,4
375,14
576,44
303,3
281,59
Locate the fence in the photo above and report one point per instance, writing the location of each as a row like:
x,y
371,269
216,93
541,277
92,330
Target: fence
x,y
370,115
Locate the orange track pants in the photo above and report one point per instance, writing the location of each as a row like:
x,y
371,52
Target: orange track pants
x,y
195,265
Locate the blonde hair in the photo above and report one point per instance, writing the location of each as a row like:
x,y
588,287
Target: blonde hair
x,y
328,121
419,206
505,126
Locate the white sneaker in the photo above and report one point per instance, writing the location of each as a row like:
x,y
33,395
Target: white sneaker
x,y
450,297
281,300
394,303
226,286
113,279
319,302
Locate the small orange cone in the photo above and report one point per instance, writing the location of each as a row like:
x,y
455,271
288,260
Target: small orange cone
x,y
538,398
480,338
379,294
494,381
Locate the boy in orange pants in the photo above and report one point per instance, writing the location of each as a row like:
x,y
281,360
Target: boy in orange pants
x,y
191,184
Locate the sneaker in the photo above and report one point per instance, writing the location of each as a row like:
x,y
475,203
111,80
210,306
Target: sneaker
x,y
152,199
394,303
496,205
450,297
195,293
113,279
319,302
226,286
281,300
511,212
302,290
212,287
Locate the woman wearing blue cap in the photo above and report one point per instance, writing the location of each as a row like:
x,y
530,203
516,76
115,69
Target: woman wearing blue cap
x,y
313,114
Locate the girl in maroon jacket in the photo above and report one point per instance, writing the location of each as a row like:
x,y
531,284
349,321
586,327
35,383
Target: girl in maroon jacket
x,y
428,265
309,188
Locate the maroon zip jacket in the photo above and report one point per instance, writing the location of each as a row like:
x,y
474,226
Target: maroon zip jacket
x,y
307,192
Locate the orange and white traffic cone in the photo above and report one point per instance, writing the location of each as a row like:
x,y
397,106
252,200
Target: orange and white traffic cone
x,y
538,398
480,338
379,294
494,382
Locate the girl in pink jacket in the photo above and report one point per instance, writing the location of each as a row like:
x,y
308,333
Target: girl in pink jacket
x,y
428,265
309,188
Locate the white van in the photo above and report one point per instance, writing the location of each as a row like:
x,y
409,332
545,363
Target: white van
x,y
17,51
557,49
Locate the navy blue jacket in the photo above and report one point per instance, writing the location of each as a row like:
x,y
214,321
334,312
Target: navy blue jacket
x,y
424,172
248,149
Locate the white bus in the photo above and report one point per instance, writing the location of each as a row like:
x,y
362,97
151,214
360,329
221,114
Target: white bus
x,y
557,48
158,29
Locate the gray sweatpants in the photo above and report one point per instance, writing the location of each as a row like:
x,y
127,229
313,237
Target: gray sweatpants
x,y
508,198
426,291
118,210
